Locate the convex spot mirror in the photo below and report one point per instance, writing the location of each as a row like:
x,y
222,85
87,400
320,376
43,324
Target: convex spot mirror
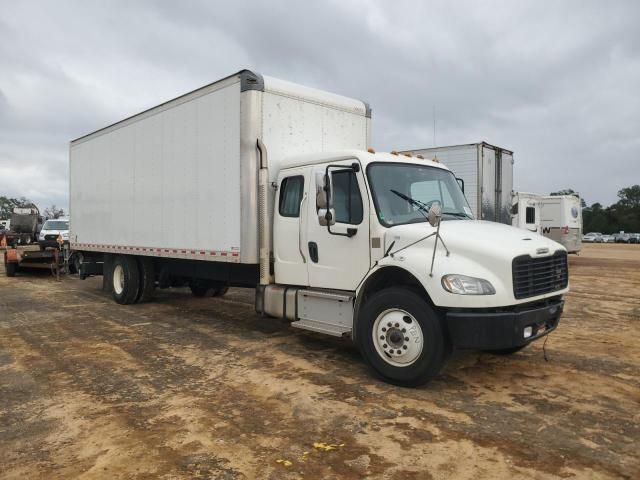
x,y
435,213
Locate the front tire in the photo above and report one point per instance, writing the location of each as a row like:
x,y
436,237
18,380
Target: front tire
x,y
125,279
400,336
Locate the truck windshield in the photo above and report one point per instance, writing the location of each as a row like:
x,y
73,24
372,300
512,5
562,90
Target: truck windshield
x,y
56,225
403,193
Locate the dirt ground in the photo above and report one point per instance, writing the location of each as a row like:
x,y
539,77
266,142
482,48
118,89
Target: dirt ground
x,y
205,388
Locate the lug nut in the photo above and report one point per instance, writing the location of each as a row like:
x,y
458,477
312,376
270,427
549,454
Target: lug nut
x,y
384,329
381,337
397,325
404,346
404,330
389,324
384,346
406,339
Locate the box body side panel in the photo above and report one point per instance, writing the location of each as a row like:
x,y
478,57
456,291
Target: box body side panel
x,y
170,180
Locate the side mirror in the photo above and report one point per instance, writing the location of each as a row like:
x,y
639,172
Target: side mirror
x,y
323,192
435,213
326,217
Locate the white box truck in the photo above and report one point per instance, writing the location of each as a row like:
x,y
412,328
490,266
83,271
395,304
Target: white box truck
x,y
486,175
255,182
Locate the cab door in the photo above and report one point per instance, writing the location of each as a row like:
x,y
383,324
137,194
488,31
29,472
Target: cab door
x,y
290,227
339,256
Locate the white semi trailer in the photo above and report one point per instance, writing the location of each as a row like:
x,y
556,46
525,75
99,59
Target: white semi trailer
x,y
485,172
256,182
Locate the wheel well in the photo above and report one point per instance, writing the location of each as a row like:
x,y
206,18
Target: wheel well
x,y
384,278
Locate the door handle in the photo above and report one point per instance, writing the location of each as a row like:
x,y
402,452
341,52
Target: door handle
x,y
301,212
313,252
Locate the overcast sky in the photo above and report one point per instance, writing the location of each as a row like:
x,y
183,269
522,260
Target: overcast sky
x,y
557,82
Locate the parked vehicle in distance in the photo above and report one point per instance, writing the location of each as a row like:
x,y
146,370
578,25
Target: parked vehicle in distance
x,y
51,230
270,185
525,211
605,238
26,223
592,237
611,239
634,238
622,238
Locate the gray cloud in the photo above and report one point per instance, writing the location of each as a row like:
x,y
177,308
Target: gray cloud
x,y
556,82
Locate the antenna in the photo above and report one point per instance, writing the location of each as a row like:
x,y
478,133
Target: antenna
x,y
434,125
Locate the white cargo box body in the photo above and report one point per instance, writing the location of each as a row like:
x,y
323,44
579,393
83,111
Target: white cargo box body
x,y
487,172
180,180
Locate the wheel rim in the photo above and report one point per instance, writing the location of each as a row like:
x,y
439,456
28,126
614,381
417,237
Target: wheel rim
x,y
397,337
118,279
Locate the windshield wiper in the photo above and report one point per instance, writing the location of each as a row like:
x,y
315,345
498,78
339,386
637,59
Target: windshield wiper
x,y
457,214
422,207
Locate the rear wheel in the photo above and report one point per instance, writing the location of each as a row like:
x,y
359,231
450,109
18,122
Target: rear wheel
x,y
199,289
125,279
219,291
400,336
147,279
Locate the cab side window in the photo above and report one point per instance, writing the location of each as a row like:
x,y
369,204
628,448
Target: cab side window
x,y
291,191
347,200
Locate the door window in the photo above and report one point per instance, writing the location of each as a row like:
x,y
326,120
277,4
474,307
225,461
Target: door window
x,y
291,192
347,201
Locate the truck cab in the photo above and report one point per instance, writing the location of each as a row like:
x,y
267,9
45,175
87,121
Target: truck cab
x,y
384,248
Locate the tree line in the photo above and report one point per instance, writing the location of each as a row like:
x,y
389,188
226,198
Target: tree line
x,y
622,216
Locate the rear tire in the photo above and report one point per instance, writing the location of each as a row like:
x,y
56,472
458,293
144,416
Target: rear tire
x,y
219,291
125,279
199,289
401,322
147,279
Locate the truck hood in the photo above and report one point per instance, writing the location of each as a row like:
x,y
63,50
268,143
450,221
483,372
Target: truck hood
x,y
475,237
476,248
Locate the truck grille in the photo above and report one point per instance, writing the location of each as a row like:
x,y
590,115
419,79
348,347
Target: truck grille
x,y
51,237
537,276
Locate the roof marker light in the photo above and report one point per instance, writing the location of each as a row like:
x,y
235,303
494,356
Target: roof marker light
x,y
371,150
393,152
420,157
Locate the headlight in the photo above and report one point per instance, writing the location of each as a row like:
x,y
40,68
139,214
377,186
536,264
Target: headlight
x,y
41,236
463,285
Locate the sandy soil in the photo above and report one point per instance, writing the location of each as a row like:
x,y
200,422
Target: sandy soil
x,y
205,388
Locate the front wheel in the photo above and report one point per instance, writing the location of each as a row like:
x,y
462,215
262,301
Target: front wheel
x,y
400,335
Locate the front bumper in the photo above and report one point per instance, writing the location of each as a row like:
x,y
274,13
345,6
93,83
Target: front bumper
x,y
493,330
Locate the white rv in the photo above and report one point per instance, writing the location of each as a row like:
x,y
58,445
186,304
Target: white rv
x,y
525,211
256,182
561,220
